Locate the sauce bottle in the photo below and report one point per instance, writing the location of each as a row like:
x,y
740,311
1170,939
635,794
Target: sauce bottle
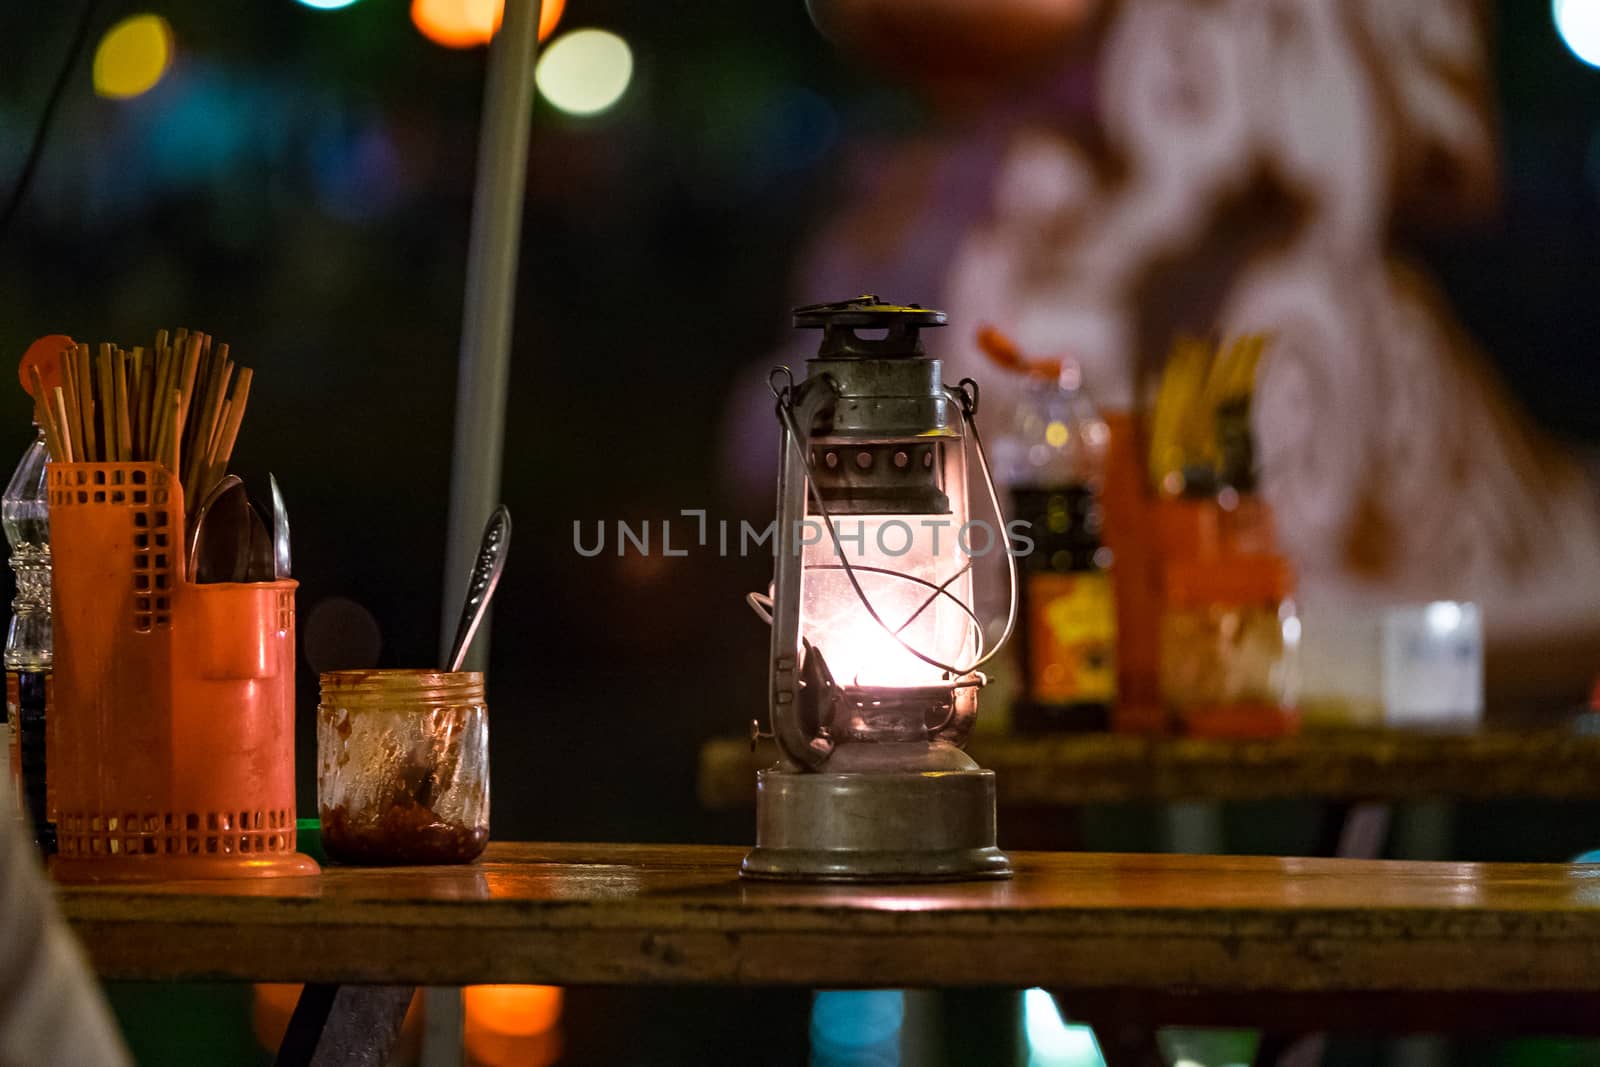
x,y
1054,459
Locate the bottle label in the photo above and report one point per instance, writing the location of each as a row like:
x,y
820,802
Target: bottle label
x,y
1072,637
28,695
14,740
46,812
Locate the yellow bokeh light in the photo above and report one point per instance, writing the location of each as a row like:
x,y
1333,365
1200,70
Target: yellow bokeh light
x,y
469,23
585,71
132,56
1056,434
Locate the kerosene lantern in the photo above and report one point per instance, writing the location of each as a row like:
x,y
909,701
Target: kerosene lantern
x,y
876,640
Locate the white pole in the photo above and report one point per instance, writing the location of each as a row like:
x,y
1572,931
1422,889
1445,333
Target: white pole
x,y
484,371
490,301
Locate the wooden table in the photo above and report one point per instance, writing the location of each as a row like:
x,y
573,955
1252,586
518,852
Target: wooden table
x,y
1044,782
1355,765
1127,939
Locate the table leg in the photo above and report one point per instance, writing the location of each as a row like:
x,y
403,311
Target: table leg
x,y
1423,831
344,1026
1289,1050
1348,831
985,1029
443,1026
1194,827
1355,831
1128,1045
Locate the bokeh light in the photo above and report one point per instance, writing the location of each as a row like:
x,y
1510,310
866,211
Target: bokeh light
x,y
327,5
1051,1042
513,1009
356,170
132,57
469,23
856,1027
512,1025
584,72
1578,22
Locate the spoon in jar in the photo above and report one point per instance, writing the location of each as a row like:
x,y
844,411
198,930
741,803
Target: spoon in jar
x,y
481,585
480,590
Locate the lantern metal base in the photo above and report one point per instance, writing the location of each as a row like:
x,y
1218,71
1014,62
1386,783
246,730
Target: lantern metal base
x,y
873,826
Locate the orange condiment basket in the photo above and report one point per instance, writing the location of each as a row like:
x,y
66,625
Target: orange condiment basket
x,y
171,738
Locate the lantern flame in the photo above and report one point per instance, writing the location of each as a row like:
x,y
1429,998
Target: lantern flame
x,y
921,595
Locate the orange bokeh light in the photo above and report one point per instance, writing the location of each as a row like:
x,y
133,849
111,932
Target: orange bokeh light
x,y
512,1025
468,23
513,1009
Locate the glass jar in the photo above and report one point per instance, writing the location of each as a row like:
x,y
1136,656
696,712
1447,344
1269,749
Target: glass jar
x,y
1230,640
403,766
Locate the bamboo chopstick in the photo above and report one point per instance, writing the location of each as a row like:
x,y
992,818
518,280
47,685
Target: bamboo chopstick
x,y
179,403
86,406
45,415
204,430
236,406
105,388
120,400
175,438
69,447
69,393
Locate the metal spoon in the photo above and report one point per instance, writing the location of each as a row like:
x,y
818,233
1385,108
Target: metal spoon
x,y
260,565
480,587
222,541
225,483
280,532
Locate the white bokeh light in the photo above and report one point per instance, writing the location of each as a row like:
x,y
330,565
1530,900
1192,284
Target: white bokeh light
x,y
1578,22
585,71
1444,617
1051,1041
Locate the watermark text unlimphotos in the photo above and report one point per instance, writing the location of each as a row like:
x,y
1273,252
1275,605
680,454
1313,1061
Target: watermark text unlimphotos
x,y
890,536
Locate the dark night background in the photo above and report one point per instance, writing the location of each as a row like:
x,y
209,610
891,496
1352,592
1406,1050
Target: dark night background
x,y
300,186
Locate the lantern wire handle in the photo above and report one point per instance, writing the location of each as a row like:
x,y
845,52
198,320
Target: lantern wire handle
x,y
967,393
761,603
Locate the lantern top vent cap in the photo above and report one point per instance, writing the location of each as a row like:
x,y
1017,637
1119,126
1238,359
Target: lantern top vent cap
x,y
839,321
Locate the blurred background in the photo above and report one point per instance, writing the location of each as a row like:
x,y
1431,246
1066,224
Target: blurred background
x,y
296,177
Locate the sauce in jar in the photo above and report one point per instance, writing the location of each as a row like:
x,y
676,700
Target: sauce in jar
x,y
403,766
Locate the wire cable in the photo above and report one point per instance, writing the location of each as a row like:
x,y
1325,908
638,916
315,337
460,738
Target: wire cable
x,y
30,164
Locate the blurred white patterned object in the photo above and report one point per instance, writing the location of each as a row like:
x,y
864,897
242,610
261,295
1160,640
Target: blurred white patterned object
x,y
1173,101
1314,414
1004,275
1246,166
1432,61
1315,116
1396,465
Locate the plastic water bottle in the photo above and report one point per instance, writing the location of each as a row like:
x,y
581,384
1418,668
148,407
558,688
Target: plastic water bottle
x,y
25,512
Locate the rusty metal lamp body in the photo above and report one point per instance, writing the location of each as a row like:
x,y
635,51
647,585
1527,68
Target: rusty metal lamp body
x,y
876,647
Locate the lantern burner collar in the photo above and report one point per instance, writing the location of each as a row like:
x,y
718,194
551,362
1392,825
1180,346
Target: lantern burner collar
x,y
892,713
840,322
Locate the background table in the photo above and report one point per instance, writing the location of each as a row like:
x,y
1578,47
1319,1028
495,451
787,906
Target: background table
x,y
1357,765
